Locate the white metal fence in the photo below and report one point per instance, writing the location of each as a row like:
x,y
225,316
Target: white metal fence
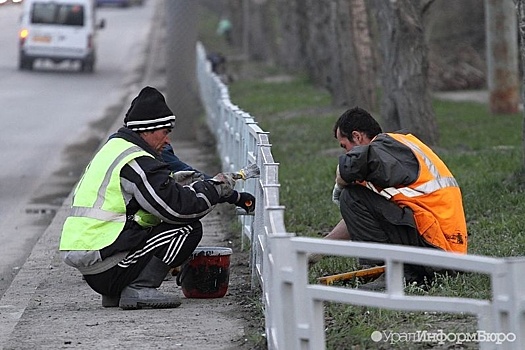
x,y
293,307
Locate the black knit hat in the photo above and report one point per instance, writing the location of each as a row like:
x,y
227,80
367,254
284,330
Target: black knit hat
x,y
149,111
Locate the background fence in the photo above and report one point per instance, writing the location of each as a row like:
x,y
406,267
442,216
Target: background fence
x,y
293,307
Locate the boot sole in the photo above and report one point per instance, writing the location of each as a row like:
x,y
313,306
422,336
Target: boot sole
x,y
135,305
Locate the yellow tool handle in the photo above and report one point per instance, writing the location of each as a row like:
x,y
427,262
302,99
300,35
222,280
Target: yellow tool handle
x,y
370,272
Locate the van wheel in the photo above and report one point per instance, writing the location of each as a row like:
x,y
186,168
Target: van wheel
x,y
87,66
25,63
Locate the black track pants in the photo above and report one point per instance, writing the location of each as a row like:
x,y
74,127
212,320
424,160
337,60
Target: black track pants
x,y
370,217
173,244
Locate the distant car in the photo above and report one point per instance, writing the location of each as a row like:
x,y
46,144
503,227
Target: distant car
x,y
58,30
121,3
4,2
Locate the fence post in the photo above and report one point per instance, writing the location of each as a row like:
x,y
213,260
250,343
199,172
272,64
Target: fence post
x,y
509,304
278,286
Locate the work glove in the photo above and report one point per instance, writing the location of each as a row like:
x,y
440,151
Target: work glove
x,y
186,177
246,201
336,193
338,179
224,184
243,200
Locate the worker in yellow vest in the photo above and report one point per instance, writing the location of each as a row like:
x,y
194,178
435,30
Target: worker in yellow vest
x,y
392,188
130,220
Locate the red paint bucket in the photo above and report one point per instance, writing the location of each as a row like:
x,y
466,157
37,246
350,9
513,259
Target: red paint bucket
x,y
206,274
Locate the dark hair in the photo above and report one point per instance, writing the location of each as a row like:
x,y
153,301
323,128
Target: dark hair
x,y
357,119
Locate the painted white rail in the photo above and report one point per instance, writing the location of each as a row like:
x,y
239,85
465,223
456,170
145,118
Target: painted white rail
x,y
293,308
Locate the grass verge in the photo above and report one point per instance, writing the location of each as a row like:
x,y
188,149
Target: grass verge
x,y
482,150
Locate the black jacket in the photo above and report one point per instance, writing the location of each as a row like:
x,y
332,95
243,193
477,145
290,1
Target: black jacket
x,y
147,184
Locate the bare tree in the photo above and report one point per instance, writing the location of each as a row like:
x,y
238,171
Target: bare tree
x,y
502,56
291,34
520,5
406,101
331,40
235,15
260,29
352,68
318,46
364,54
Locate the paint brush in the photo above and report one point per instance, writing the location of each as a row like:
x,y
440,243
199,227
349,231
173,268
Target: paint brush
x,y
249,172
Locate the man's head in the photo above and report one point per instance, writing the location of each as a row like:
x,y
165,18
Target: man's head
x,y
150,116
355,127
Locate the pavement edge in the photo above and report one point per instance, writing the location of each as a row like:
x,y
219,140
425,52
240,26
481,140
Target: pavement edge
x,y
34,270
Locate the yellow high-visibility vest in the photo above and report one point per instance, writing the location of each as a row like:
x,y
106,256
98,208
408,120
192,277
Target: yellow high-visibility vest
x,y
98,212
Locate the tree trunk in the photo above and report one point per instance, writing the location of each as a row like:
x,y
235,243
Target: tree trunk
x,y
406,101
502,56
337,47
318,41
290,38
366,70
261,32
520,4
235,11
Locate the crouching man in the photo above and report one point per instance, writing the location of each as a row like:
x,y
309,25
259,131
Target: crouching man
x,y
130,221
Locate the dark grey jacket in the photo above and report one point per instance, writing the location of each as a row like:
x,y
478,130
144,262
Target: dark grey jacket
x,y
384,162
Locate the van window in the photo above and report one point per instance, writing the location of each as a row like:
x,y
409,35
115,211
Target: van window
x,y
61,14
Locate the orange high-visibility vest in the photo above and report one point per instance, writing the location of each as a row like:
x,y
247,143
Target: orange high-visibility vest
x,y
435,199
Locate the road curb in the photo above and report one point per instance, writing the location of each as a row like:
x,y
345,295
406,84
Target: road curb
x,y
18,295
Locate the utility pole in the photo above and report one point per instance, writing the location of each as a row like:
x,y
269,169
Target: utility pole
x,y
182,91
246,29
502,56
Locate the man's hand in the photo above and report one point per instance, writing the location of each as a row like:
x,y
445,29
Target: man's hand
x,y
246,201
338,179
224,184
336,193
243,200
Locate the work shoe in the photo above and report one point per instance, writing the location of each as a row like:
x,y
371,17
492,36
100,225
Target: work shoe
x,y
141,297
142,292
314,258
379,284
367,263
410,281
108,301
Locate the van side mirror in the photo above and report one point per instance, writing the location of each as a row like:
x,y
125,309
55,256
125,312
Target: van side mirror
x,y
101,24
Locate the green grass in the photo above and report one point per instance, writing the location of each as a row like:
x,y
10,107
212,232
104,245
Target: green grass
x,y
482,150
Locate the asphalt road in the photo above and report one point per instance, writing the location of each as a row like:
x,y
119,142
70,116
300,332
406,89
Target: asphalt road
x,y
50,117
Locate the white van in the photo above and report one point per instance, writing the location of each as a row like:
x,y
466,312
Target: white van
x,y
58,30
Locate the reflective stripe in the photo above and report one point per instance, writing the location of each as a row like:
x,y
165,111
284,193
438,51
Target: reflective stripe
x,y
107,177
96,213
430,165
428,187
134,165
161,239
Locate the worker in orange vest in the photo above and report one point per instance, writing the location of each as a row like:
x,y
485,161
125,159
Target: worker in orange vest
x,y
392,188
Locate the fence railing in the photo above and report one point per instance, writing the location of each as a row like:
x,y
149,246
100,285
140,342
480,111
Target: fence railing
x,y
501,320
293,307
240,142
